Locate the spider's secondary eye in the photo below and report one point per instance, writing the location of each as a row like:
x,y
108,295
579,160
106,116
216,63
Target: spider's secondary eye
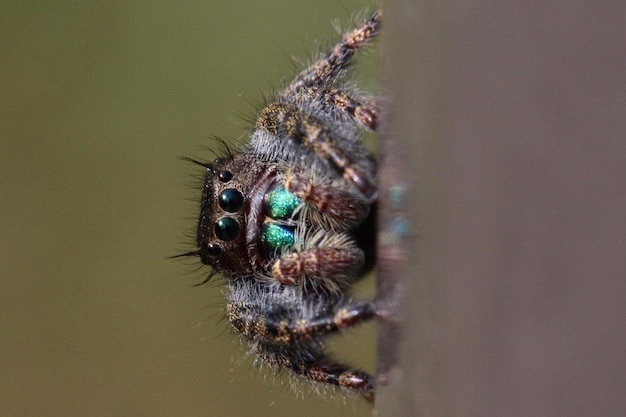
x,y
225,176
214,249
226,229
231,200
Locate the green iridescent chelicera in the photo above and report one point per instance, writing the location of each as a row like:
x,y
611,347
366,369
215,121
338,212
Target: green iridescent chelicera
x,y
275,236
280,203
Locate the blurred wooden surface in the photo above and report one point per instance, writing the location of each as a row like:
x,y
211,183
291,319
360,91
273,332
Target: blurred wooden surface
x,y
506,145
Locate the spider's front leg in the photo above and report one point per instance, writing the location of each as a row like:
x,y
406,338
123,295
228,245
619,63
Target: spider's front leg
x,y
285,119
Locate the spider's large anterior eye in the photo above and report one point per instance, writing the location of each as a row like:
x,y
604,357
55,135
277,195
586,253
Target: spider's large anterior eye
x,y
231,200
214,249
225,176
226,229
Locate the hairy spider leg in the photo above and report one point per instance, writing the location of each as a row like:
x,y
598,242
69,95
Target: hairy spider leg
x,y
360,111
329,67
285,119
295,343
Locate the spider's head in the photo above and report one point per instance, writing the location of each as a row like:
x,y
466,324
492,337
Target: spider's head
x,y
230,214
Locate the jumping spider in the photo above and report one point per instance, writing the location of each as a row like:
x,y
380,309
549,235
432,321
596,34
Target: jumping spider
x,y
287,219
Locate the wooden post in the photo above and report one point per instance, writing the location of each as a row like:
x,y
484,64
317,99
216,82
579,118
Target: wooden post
x,y
503,209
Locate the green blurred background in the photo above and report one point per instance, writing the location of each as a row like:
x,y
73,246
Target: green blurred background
x,y
98,102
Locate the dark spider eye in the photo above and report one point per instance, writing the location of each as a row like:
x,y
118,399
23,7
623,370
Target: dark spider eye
x,y
225,176
214,249
231,200
226,229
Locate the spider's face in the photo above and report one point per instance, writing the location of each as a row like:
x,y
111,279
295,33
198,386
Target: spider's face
x,y
231,214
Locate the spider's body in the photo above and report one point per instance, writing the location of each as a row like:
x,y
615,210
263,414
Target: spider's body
x,y
279,219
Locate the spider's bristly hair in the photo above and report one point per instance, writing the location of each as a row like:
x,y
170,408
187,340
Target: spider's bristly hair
x,y
190,254
257,104
228,150
206,165
208,278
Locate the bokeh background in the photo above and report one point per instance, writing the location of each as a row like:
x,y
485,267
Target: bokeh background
x,y
99,100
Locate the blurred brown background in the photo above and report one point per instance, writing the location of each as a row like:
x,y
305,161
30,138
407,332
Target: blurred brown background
x,y
99,100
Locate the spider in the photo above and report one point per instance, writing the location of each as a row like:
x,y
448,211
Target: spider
x,y
288,219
